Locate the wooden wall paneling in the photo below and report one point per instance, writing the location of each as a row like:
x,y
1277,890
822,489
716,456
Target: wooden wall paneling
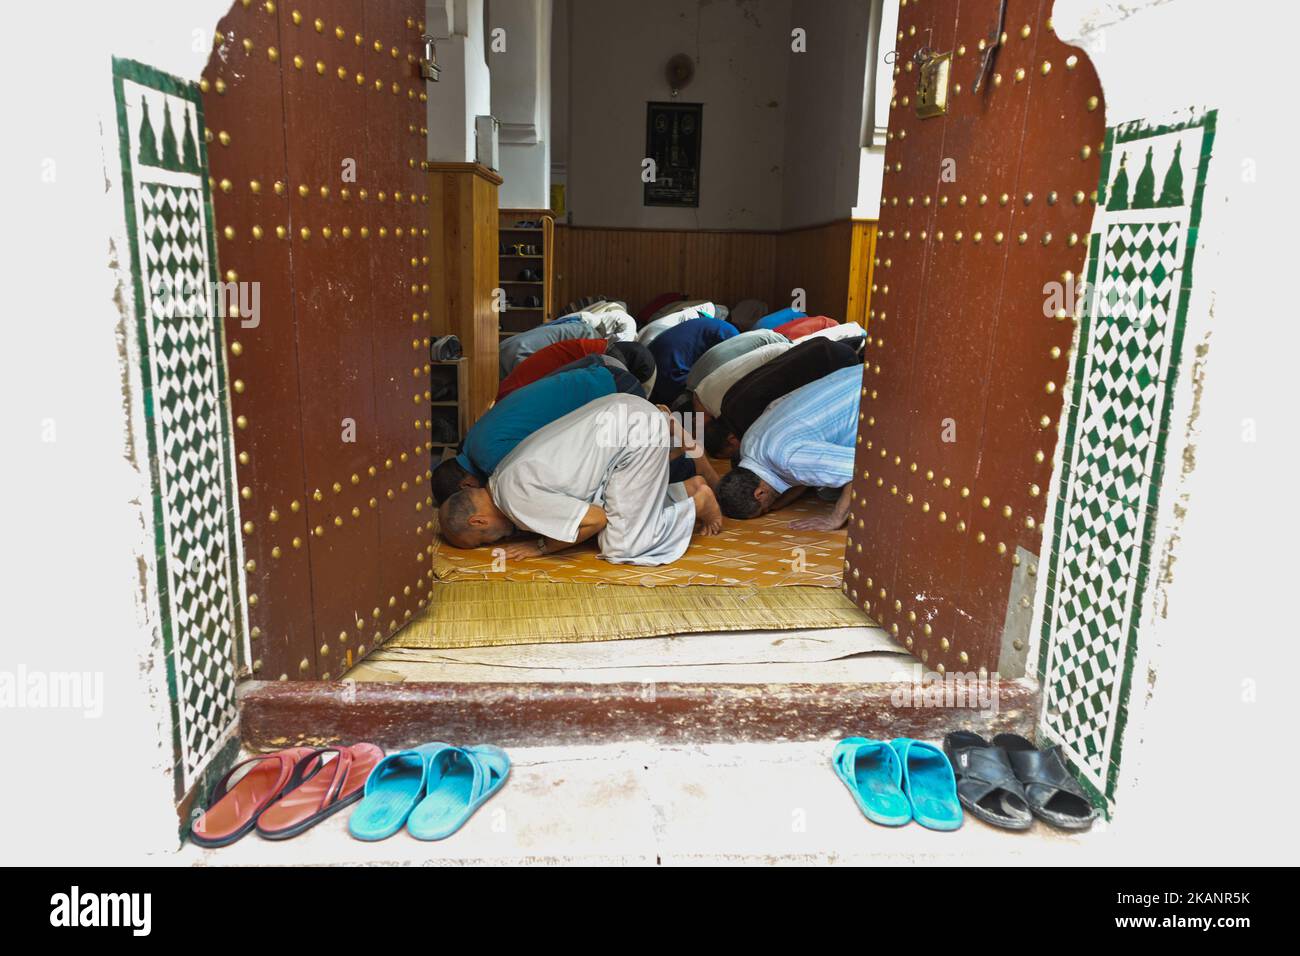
x,y
587,264
727,267
958,357
401,286
637,265
738,266
703,261
816,259
586,274
832,263
862,256
837,241
243,104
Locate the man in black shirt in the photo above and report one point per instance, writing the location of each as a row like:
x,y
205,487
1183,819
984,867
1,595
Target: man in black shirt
x,y
750,396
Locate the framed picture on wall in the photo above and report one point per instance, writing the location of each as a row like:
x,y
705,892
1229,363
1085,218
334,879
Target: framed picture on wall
x,y
672,140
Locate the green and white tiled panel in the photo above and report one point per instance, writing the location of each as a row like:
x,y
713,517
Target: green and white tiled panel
x,y
1130,340
170,223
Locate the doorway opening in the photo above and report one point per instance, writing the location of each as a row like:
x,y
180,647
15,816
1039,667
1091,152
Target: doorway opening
x,y
378,218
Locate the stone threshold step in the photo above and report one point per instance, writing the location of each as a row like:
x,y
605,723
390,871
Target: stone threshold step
x,y
276,714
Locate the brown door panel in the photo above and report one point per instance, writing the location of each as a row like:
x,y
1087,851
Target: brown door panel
x,y
325,120
243,108
332,384
403,320
949,483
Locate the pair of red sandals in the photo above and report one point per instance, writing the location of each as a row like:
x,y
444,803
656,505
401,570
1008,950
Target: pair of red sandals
x,y
285,793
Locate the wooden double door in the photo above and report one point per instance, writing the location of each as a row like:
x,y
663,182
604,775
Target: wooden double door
x,y
984,224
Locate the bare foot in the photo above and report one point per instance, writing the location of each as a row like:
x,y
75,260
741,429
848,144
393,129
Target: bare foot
x,y
820,523
707,512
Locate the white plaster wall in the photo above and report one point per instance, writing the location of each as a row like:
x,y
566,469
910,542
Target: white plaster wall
x,y
782,130
525,180
618,53
1206,769
871,178
558,137
871,159
521,99
79,573
464,87
823,114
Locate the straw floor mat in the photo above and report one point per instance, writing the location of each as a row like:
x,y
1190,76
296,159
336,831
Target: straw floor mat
x,y
492,613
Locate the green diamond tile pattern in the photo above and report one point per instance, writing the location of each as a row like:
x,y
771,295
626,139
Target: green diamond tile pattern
x,y
184,403
1127,360
187,414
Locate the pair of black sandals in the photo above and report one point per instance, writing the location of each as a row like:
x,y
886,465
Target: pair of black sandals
x,y
1009,781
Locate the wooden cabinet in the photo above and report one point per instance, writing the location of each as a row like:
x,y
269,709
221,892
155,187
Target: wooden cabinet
x,y
449,405
463,218
526,248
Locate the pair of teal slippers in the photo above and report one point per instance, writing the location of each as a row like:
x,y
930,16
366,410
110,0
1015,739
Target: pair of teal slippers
x,y
431,790
898,781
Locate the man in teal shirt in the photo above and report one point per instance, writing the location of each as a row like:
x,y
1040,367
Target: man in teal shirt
x,y
518,415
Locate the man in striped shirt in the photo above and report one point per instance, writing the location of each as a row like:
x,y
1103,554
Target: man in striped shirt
x,y
804,440
749,398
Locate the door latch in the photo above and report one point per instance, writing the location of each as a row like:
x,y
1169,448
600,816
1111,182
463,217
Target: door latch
x,y
429,68
932,82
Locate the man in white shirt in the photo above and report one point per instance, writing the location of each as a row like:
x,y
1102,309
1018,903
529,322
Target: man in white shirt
x,y
600,471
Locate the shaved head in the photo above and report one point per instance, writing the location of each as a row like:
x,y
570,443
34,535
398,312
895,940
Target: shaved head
x,y
470,519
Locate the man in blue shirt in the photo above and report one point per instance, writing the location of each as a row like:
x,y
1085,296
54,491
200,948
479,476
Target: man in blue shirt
x,y
518,415
779,317
804,440
677,349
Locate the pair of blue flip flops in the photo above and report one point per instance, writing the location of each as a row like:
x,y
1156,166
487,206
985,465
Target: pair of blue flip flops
x,y
431,790
898,781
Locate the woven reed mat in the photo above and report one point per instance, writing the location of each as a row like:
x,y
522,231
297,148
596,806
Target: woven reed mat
x,y
491,613
762,552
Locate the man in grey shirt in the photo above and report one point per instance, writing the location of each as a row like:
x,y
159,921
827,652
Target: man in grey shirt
x,y
515,349
729,349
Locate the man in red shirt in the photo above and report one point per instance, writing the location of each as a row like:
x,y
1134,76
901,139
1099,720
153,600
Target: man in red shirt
x,y
809,324
547,360
562,355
